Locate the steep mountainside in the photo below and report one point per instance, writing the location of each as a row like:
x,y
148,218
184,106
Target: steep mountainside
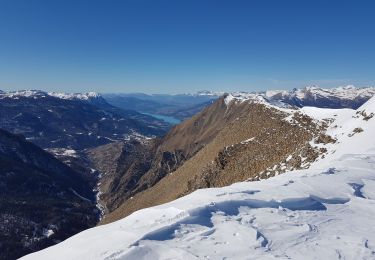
x,y
324,212
71,121
231,140
143,162
42,201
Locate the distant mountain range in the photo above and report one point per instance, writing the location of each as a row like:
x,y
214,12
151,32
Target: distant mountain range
x,y
74,121
340,97
183,106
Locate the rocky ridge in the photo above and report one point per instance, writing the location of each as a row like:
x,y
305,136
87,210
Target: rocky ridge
x,y
227,142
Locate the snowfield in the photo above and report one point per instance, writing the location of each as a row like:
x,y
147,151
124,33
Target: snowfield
x,y
325,212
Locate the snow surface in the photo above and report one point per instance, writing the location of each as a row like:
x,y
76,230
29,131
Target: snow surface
x,y
324,212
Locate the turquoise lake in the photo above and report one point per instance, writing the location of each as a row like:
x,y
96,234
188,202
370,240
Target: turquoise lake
x,y
168,119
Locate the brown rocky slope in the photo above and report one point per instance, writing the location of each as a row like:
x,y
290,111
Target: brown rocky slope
x,y
132,166
226,143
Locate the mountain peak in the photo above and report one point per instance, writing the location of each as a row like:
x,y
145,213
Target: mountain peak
x,y
73,96
23,93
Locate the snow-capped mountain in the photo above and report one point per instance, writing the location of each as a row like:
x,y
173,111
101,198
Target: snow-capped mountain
x,y
23,93
76,121
323,212
344,92
80,96
349,96
43,94
340,97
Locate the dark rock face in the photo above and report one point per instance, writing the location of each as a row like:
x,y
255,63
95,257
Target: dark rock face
x,y
42,200
49,121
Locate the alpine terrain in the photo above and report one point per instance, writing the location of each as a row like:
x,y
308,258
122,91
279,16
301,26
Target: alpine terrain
x,y
47,182
246,178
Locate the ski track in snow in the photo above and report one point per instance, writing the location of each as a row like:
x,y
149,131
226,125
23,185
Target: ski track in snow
x,y
325,212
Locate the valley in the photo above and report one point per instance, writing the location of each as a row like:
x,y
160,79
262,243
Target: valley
x,y
124,160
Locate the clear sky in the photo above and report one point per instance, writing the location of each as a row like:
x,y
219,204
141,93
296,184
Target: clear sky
x,y
161,46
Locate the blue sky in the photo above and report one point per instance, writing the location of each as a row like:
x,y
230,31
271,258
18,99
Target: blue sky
x,y
185,45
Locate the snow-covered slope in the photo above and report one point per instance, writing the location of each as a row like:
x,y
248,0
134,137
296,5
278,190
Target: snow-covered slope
x,y
325,212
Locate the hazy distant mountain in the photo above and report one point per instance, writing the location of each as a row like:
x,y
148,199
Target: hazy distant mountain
x,y
180,106
183,106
